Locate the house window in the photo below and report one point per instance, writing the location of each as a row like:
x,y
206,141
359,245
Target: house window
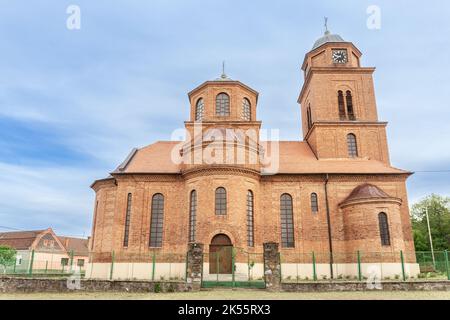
x,y
287,221
246,110
192,215
127,221
342,115
314,203
350,113
384,229
352,146
221,201
309,117
157,219
199,110
222,105
250,215
64,262
80,262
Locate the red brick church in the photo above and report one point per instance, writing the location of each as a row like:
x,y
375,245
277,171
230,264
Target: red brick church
x,y
334,192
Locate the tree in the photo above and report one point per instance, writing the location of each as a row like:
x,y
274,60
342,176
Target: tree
x,y
439,215
7,257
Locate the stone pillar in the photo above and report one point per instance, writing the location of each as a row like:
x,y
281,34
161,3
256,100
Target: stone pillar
x,y
194,265
272,266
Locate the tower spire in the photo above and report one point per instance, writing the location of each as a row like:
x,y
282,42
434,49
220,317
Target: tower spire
x,y
223,76
326,26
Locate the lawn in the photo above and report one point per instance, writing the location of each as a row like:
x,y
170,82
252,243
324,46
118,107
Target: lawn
x,y
240,294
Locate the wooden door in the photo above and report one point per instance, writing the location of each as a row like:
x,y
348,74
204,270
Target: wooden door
x,y
220,255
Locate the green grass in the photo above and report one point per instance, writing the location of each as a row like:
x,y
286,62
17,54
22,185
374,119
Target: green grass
x,y
239,294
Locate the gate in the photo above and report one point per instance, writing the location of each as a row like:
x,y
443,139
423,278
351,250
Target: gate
x,y
226,266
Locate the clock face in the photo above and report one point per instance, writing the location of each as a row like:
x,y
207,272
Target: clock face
x,y
340,56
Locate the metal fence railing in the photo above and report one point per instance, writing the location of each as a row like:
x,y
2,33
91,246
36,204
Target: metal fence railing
x,y
360,266
232,265
46,263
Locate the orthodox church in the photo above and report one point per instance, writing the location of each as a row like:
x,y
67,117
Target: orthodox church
x,y
332,192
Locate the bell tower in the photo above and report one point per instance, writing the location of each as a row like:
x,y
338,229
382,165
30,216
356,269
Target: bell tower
x,y
338,105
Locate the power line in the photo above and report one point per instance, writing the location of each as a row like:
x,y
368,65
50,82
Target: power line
x,y
433,171
9,228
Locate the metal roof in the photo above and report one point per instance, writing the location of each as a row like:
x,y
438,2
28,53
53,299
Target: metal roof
x,y
328,37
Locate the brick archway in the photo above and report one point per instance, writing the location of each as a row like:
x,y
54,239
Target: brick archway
x,y
220,254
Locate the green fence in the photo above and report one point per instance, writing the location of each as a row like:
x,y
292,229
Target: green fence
x,y
152,265
35,263
363,266
233,267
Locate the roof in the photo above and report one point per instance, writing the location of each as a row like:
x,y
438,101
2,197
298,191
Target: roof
x,y
327,37
77,245
19,240
366,191
24,240
295,157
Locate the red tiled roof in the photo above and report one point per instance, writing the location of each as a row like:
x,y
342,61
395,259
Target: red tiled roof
x,y
77,245
295,157
366,191
19,240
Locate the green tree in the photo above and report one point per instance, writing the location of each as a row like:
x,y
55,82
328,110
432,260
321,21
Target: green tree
x,y
439,214
7,257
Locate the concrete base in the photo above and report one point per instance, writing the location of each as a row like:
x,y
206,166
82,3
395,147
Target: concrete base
x,y
380,271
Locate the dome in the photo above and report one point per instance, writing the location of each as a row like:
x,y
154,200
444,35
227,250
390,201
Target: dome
x,y
366,191
328,37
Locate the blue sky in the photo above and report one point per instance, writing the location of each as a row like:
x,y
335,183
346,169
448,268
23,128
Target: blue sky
x,y
74,102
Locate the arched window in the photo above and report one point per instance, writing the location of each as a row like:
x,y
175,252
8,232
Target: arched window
x,y
192,215
221,201
287,221
199,110
314,203
250,212
352,146
350,113
342,115
127,221
308,116
222,105
246,110
384,229
156,221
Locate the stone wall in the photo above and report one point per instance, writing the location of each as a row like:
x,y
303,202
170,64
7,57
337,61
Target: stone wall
x,y
362,286
11,285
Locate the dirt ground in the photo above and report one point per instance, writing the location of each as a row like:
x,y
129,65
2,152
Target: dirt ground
x,y
240,294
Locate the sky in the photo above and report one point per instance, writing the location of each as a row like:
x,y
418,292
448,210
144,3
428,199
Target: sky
x,y
74,102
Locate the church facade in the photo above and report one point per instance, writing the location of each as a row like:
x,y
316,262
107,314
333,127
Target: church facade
x,y
333,193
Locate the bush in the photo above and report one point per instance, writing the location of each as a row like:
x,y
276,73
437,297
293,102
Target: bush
x,y
157,288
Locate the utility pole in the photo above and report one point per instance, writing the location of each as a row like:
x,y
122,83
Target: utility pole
x,y
431,240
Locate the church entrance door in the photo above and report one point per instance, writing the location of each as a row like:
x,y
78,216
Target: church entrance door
x,y
220,255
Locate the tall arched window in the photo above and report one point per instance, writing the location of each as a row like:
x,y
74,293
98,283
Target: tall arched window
x,y
156,221
250,212
221,201
287,221
246,110
127,221
314,203
384,229
309,117
222,104
341,104
199,110
352,146
192,215
350,113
